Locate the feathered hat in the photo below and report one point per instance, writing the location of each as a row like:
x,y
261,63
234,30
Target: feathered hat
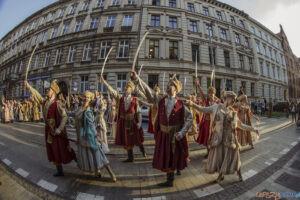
x,y
176,83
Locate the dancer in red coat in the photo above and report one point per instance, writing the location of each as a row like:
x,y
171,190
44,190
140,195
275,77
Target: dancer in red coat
x,y
58,148
129,120
172,123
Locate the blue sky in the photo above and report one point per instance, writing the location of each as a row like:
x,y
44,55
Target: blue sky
x,y
270,13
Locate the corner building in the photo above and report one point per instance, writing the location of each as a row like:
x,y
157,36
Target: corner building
x,y
75,36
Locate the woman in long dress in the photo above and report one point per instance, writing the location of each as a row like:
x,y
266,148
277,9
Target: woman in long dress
x,y
5,110
224,149
91,157
244,114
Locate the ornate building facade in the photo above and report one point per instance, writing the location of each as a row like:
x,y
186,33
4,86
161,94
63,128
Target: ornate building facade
x,y
293,67
75,36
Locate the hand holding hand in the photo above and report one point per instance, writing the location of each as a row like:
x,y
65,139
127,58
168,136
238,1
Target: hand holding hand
x,y
188,103
57,131
178,136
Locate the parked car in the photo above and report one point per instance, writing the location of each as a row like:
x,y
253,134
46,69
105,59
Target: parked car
x,y
280,106
145,111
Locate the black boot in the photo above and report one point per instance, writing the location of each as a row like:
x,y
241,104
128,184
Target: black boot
x,y
130,156
142,149
111,173
178,172
60,171
170,180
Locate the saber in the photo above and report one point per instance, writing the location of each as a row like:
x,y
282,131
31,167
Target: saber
x,y
164,82
138,50
184,85
212,77
28,65
141,69
105,61
196,67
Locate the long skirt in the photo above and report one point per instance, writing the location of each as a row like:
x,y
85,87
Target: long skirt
x,y
231,162
91,160
203,131
244,137
215,159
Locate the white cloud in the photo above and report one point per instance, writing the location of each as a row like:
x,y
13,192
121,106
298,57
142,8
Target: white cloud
x,y
271,13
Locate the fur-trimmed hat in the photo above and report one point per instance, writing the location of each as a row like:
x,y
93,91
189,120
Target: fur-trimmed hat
x,y
176,82
242,97
211,89
54,86
90,94
130,84
230,94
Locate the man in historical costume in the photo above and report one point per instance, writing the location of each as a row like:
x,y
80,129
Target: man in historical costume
x,y
129,120
58,148
224,149
25,110
35,110
172,123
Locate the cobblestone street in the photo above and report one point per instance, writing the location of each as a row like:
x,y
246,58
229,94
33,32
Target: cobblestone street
x,y
273,165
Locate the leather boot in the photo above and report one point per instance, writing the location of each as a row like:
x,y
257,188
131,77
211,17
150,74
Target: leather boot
x,y
130,156
111,173
169,182
60,171
240,175
142,149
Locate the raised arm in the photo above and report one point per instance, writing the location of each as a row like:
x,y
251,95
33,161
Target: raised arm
x,y
202,96
112,91
150,94
34,93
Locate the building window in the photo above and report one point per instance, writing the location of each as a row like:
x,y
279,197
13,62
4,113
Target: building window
x,y
78,26
252,89
270,91
33,25
155,20
267,38
104,48
258,47
172,3
228,85
284,76
71,56
263,90
121,82
173,22
244,86
152,80
219,15
43,20
223,34
246,42
274,72
237,38
62,12
36,63
66,28
275,92
191,7
173,50
205,11
227,58
58,56
278,74
47,59
251,69
100,3
87,51
260,35
94,23
156,2
110,21
212,55
127,21
124,49
253,30
193,26
276,56
154,49
101,86
271,53
241,59
85,6
54,32
84,84
268,70
131,2
261,64
21,67
73,9
265,50
36,39
115,3
209,30
51,16
232,20
195,51
242,24
282,60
